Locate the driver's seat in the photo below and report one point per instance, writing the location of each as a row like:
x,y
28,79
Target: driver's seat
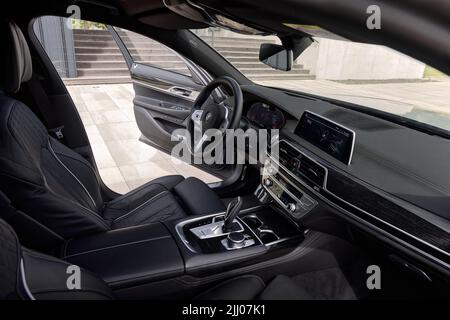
x,y
56,186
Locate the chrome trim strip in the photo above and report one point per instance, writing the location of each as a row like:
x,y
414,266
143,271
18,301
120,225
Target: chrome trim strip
x,y
24,281
140,206
217,224
116,246
149,86
269,244
367,213
179,226
339,125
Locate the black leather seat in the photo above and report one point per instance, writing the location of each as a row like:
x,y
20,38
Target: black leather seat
x,y
56,186
29,275
26,274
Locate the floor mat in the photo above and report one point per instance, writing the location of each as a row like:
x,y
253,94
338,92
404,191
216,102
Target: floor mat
x,y
328,284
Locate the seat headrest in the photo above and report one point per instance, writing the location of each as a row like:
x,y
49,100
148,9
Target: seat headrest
x,y
15,64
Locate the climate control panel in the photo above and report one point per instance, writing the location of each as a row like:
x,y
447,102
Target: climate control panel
x,y
287,194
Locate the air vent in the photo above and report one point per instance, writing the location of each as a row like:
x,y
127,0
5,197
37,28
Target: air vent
x,y
302,166
311,170
287,154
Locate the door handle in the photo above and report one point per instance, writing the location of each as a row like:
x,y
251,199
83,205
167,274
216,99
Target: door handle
x,y
180,91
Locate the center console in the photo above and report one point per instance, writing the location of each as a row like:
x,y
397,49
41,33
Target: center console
x,y
196,246
205,235
160,255
208,248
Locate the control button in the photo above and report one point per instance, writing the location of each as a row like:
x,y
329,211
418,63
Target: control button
x,y
295,163
268,182
271,170
292,207
236,240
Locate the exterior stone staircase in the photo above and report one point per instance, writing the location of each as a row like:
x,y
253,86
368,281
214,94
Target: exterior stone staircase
x,y
99,59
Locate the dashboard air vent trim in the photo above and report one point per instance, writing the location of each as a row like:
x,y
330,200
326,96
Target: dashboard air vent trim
x,y
325,179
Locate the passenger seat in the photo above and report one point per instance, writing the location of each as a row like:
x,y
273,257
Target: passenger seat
x,y
56,186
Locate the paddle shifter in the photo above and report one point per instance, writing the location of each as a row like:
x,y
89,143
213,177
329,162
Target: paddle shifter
x,y
233,209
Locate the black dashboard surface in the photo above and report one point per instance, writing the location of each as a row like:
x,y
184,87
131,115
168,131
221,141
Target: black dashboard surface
x,y
407,168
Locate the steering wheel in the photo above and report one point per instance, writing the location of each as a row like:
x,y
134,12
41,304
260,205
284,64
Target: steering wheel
x,y
206,114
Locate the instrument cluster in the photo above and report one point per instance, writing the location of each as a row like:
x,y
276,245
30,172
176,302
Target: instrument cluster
x,y
266,116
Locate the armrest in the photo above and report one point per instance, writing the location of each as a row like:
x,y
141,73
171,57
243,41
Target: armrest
x,y
198,197
129,256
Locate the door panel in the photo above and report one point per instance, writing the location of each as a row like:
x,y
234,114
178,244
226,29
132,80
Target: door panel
x,y
162,103
164,98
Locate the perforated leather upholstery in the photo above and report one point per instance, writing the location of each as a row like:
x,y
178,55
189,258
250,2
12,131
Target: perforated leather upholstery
x,y
56,186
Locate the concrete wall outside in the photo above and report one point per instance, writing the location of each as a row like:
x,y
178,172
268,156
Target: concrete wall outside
x,y
308,58
344,60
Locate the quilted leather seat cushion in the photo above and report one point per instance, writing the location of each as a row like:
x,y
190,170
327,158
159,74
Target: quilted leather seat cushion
x,y
152,202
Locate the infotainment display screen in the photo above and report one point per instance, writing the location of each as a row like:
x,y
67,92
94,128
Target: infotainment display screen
x,y
331,137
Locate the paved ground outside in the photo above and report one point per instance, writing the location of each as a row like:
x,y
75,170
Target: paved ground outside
x,y
123,161
126,163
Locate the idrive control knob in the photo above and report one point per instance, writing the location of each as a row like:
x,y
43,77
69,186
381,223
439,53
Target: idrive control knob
x,y
236,240
291,207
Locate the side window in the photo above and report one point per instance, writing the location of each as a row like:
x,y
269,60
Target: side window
x,y
147,51
96,75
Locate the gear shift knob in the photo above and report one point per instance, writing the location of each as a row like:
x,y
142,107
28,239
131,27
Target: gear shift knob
x,y
233,209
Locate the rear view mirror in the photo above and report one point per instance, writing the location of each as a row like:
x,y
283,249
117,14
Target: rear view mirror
x,y
276,56
281,57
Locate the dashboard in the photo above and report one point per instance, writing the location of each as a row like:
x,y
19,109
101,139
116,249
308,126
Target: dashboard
x,y
374,172
265,116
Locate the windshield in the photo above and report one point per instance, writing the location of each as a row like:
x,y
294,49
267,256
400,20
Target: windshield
x,y
369,75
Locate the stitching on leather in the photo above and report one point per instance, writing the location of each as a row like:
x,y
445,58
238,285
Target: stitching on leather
x,y
133,192
159,218
139,207
72,174
80,161
91,212
11,131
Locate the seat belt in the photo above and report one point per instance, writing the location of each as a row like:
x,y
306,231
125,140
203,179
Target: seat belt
x,y
43,103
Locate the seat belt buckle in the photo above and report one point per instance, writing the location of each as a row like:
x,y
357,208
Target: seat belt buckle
x,y
57,132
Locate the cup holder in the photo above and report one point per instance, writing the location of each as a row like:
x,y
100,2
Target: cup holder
x,y
253,222
267,236
264,234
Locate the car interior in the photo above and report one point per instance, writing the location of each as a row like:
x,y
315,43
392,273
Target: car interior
x,y
305,224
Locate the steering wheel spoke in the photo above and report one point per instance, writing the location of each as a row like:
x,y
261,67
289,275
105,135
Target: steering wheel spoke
x,y
209,115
